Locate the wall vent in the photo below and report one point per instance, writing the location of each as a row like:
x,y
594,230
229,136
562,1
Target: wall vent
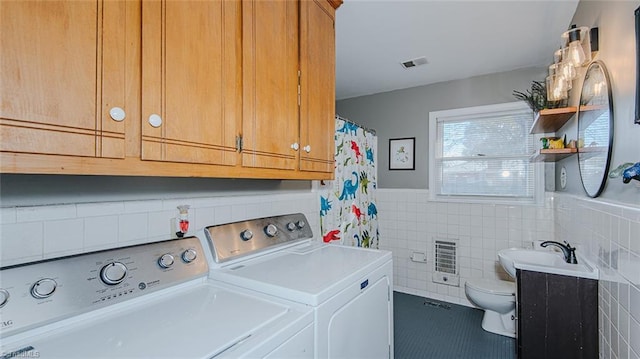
x,y
446,263
414,62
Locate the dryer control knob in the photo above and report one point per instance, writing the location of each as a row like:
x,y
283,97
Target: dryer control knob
x,y
113,273
300,224
189,255
291,226
4,297
43,288
246,235
166,260
271,230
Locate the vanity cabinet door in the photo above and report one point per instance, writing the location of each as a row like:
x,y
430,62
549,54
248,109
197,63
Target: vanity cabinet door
x,y
191,84
63,71
270,84
557,316
317,104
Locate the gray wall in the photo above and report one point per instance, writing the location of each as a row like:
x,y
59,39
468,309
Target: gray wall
x,y
615,21
405,113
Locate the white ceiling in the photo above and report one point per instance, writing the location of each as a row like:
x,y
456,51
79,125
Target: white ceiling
x,y
460,39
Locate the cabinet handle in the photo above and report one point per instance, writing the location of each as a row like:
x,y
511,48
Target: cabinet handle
x,y
117,114
295,146
155,120
307,148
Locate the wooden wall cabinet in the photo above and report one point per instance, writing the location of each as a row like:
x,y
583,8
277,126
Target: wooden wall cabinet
x,y
289,98
317,82
191,81
557,316
232,88
270,78
61,76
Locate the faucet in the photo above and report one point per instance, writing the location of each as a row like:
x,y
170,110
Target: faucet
x,y
568,251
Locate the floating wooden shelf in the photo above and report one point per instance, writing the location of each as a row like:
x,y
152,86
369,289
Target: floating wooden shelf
x,y
550,120
553,155
590,113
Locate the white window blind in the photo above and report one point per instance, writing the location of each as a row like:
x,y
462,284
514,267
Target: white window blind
x,y
482,153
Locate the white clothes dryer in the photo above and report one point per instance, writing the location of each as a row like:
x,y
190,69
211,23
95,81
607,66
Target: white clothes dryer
x,y
350,289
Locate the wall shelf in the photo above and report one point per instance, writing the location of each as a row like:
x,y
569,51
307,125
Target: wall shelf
x,y
551,119
590,113
552,155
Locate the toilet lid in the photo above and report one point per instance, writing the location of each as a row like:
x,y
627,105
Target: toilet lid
x,y
496,287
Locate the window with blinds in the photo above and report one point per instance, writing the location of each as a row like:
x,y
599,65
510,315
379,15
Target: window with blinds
x,y
482,153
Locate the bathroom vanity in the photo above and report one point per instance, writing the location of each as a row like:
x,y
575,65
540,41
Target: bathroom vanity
x,y
557,316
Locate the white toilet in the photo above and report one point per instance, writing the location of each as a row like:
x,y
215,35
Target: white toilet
x,y
497,298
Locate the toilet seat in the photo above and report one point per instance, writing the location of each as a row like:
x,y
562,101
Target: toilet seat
x,y
494,287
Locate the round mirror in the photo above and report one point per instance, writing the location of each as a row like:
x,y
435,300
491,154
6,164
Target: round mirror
x,y
595,128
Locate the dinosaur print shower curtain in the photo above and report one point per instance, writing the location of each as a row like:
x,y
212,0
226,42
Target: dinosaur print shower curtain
x,y
348,213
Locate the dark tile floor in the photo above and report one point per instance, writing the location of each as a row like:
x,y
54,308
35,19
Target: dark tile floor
x,y
444,331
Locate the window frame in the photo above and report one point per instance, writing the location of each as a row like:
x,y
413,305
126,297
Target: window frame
x,y
538,167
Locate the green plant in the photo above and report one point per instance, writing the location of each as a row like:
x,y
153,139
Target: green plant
x,y
536,97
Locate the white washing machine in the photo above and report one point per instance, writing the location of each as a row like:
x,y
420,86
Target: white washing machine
x,y
146,301
350,289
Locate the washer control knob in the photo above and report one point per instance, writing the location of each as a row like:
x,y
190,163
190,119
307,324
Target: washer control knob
x,y
43,288
189,255
300,224
166,260
4,297
113,273
291,226
271,230
246,235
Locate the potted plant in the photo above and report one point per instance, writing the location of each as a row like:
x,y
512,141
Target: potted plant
x,y
536,97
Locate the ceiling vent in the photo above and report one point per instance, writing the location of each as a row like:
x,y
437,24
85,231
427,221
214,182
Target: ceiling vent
x,y
414,62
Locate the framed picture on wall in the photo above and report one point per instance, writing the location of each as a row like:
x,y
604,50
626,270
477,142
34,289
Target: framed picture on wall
x,y
402,153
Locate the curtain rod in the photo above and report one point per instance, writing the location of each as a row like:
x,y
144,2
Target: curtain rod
x,y
371,130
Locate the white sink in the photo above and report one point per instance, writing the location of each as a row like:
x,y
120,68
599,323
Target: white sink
x,y
545,261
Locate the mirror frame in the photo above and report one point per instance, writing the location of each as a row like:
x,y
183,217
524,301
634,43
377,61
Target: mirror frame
x,y
609,95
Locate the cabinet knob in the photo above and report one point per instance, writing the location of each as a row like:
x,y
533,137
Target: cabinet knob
x,y
117,114
155,120
307,148
295,146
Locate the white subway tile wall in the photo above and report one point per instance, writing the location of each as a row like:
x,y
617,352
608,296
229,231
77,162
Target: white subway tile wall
x,y
410,223
610,235
40,232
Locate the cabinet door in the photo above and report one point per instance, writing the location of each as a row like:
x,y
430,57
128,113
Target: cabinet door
x,y
317,105
270,84
191,94
62,71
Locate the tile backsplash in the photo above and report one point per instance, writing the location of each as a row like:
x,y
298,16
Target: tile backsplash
x,y
410,223
41,232
609,234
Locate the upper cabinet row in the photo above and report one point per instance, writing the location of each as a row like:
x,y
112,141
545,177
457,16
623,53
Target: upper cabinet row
x,y
222,88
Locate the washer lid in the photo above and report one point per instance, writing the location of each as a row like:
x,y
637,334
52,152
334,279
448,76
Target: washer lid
x,y
497,287
199,322
308,274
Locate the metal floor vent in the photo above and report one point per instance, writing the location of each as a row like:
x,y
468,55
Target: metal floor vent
x,y
414,62
436,304
446,263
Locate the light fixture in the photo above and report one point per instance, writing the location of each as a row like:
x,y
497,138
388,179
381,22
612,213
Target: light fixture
x,y
578,45
575,53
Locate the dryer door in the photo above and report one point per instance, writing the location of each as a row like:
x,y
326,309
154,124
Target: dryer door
x,y
362,328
